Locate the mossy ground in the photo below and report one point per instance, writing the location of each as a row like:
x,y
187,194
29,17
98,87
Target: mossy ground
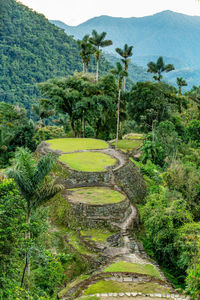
x,y
72,284
88,161
73,239
128,145
123,266
96,195
76,144
119,287
97,235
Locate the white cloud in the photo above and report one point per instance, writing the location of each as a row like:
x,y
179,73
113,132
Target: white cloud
x,y
74,12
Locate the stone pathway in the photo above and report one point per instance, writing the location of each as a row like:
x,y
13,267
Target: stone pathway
x,y
130,251
141,296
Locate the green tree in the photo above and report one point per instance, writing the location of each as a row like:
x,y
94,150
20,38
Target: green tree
x,y
98,41
158,68
41,112
86,50
161,146
180,82
126,52
120,73
151,103
12,218
31,179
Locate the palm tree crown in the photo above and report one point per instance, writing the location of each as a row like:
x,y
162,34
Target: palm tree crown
x,y
86,50
180,82
98,41
125,53
158,68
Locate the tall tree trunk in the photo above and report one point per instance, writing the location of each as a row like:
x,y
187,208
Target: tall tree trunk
x,y
118,111
124,84
84,125
72,126
83,67
95,128
27,258
179,91
86,65
97,71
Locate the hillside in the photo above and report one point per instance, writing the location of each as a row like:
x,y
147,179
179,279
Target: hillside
x,y
32,50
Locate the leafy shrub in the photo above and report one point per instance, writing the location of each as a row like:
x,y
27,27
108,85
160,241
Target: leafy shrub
x,y
50,274
193,132
48,132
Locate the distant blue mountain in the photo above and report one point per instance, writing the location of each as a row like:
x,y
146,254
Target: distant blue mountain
x,y
169,34
172,35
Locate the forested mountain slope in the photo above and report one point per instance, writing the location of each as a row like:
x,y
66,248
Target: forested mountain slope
x,y
32,50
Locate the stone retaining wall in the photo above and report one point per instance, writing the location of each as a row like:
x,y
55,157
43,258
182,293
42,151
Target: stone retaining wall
x,y
116,276
130,180
80,178
100,215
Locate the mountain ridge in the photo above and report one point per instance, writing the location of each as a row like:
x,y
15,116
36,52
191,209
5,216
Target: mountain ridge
x,y
166,33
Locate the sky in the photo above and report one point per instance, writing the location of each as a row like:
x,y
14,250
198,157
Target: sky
x,y
74,12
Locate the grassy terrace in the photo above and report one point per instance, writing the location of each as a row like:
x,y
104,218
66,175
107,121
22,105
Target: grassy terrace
x,y
119,287
128,144
88,161
96,195
75,144
123,266
75,242
97,235
133,136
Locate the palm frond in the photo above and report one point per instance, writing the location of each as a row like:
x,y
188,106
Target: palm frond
x,y
45,193
44,166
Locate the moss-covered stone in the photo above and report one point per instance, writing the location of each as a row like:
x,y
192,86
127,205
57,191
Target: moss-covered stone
x,y
116,287
130,180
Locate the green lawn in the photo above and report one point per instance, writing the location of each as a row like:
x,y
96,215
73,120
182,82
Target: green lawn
x,y
88,161
119,287
76,144
96,195
123,266
128,144
133,136
97,235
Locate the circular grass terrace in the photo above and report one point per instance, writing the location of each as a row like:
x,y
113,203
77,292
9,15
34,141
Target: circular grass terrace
x,y
95,195
76,144
128,145
88,161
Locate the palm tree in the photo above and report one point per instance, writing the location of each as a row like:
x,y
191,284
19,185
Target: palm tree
x,y
158,68
41,112
120,73
86,50
125,53
98,40
30,177
180,82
